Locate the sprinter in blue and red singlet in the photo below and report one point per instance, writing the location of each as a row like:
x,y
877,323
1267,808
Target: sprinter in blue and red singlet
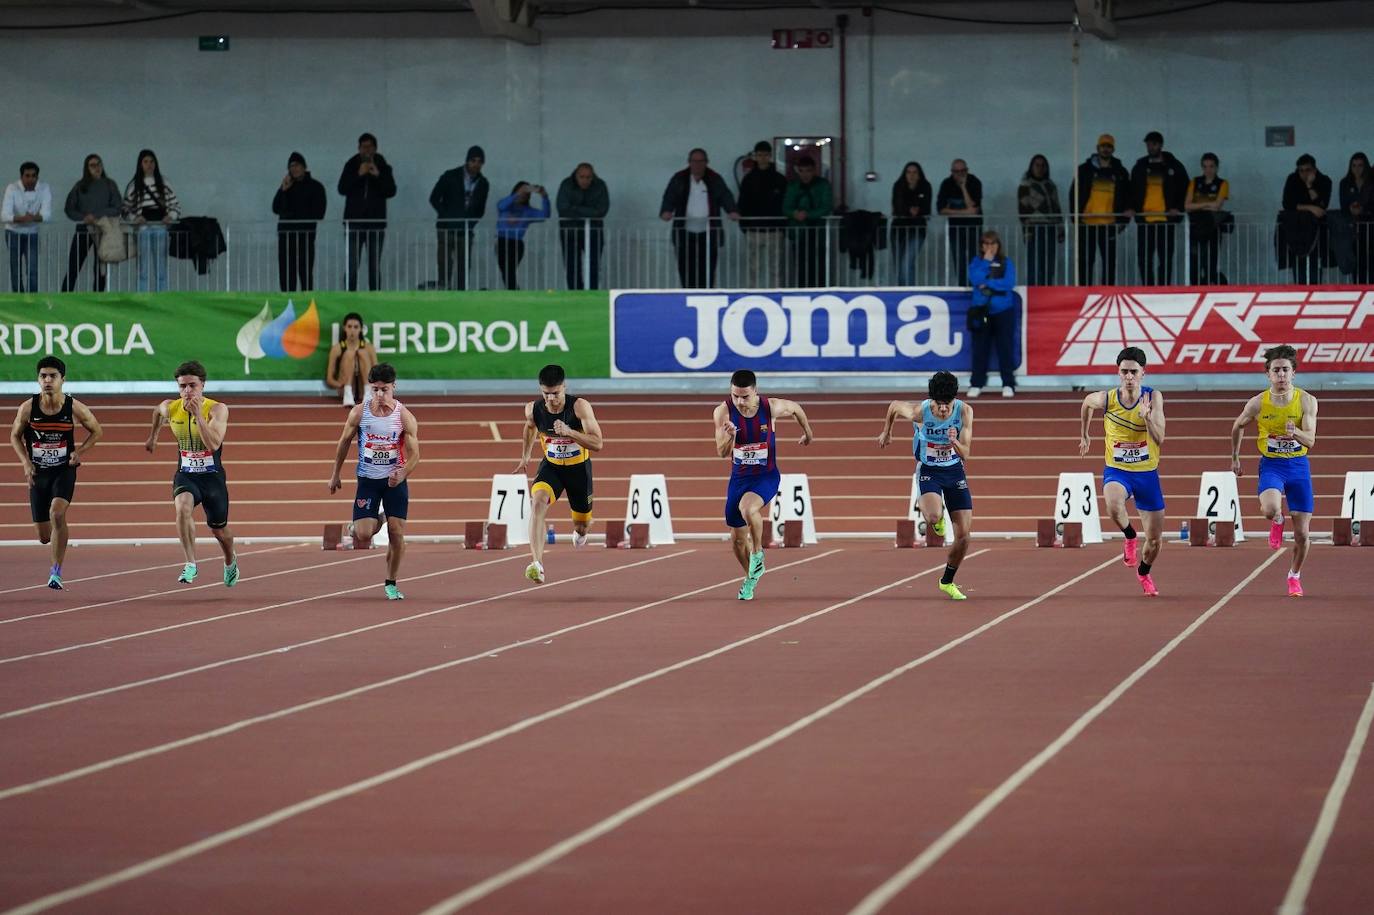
x,y
387,439
745,433
942,442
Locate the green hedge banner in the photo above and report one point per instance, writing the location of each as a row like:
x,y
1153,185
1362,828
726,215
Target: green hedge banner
x,y
286,336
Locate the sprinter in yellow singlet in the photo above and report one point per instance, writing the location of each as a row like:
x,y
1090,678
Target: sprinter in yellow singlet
x,y
1133,424
199,425
1287,420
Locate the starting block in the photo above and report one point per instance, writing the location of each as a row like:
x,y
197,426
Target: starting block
x,y
615,535
639,536
793,532
1366,534
1342,532
333,536
474,532
1072,535
496,536
906,534
1044,532
768,542
1198,532
1225,534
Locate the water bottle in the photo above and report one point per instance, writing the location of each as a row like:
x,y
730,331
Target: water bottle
x,y
1183,531
548,537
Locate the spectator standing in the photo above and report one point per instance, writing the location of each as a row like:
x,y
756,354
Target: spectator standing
x,y
961,200
1357,203
1207,195
153,206
583,202
366,184
992,319
459,199
1159,184
1302,224
513,217
92,198
1042,221
761,217
299,203
27,202
911,195
693,201
808,203
1102,200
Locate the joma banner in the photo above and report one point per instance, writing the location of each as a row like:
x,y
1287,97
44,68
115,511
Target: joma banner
x,y
1079,330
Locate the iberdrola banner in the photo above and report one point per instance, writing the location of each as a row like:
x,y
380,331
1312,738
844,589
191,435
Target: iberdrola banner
x,y
286,336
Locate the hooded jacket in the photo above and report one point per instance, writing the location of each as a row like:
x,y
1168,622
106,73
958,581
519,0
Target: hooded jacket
x,y
304,201
1175,178
365,196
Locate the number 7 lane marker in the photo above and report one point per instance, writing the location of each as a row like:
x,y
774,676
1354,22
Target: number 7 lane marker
x,y
479,891
269,820
923,862
1295,901
236,726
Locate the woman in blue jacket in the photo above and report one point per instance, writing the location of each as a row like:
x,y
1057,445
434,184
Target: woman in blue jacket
x,y
992,319
513,216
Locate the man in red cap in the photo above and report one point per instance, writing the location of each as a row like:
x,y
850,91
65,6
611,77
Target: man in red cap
x,y
1102,195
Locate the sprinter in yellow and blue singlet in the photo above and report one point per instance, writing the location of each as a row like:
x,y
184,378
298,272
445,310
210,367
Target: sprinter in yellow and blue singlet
x,y
941,442
1287,421
200,425
1133,429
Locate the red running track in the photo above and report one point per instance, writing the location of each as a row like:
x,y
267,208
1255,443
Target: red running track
x,y
279,454
630,738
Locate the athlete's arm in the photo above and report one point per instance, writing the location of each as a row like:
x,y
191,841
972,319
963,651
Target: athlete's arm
x,y
527,436
725,431
898,409
159,417
350,433
1246,417
1152,406
87,419
590,436
412,446
212,433
1306,434
21,422
1094,401
964,443
785,408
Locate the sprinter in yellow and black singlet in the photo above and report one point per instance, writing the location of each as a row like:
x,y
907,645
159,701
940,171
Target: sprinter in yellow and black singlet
x,y
1287,421
1133,427
199,425
568,433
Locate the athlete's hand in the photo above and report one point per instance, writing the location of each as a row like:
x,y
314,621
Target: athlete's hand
x,y
334,484
520,468
1289,428
805,439
395,479
561,427
1083,446
1235,467
75,459
885,438
28,472
729,428
1144,407
150,444
193,405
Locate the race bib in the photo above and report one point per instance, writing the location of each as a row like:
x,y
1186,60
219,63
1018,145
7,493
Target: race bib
x,y
938,453
560,449
1281,445
1130,452
753,455
382,454
197,461
49,454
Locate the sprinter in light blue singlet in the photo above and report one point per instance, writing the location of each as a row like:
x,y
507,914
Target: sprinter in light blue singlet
x,y
941,441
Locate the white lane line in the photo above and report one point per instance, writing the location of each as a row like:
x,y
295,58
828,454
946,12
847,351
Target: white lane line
x,y
177,565
236,726
495,432
923,862
181,590
566,847
177,674
1295,901
266,821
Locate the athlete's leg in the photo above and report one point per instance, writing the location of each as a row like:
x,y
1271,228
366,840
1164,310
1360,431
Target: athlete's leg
x,y
1153,524
226,542
739,542
963,526
932,508
540,500
396,546
1271,504
44,531
1114,494
185,505
1302,522
364,529
58,514
748,540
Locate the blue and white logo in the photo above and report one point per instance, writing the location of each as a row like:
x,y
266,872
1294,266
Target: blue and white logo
x,y
808,332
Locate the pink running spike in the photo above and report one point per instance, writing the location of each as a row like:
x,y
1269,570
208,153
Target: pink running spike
x,y
1130,552
1294,586
1148,586
1276,535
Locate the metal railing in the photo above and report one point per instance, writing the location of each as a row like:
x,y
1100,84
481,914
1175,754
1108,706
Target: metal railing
x,y
652,254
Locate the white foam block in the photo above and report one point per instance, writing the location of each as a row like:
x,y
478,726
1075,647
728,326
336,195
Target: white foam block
x,y
1217,499
648,504
510,505
1075,499
793,503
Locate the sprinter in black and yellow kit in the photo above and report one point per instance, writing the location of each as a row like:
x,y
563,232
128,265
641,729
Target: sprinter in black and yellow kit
x,y
44,437
568,433
199,425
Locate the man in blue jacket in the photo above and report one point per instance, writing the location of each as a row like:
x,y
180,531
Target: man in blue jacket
x,y
992,319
